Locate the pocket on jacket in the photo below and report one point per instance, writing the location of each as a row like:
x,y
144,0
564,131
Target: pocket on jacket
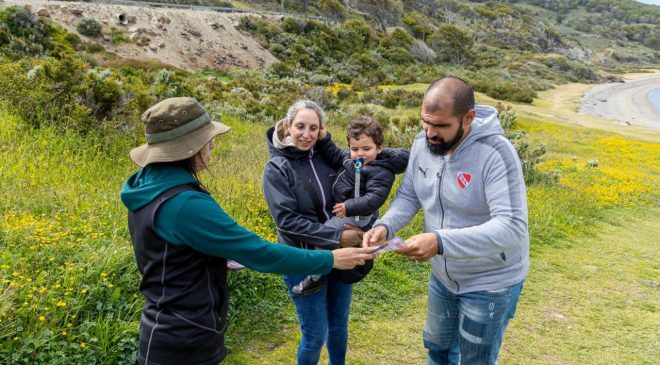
x,y
469,268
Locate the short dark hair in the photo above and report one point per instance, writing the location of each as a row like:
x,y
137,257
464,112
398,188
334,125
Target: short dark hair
x,y
461,92
367,126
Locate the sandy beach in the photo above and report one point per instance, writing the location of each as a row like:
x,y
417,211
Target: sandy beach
x,y
626,103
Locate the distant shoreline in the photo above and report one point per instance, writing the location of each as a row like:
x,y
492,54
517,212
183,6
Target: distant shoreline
x,y
627,102
655,100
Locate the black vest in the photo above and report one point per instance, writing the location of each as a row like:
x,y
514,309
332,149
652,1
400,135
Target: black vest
x,y
184,316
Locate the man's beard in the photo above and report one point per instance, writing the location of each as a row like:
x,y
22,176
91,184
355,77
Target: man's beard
x,y
440,147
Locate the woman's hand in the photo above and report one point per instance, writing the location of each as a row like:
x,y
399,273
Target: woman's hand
x,y
348,258
339,210
352,236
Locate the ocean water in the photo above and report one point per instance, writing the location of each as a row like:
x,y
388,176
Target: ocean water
x,y
654,97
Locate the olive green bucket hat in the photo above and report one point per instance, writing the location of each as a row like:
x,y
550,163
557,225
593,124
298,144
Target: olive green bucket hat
x,y
176,129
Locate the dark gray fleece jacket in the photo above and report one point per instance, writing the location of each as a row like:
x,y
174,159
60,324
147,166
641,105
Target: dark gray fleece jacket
x,y
289,197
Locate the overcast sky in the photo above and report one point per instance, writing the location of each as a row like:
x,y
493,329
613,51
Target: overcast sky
x,y
654,2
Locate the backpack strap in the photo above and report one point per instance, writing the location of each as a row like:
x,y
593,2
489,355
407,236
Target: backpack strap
x,y
168,194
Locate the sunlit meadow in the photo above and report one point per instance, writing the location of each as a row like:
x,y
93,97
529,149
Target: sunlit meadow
x,y
68,281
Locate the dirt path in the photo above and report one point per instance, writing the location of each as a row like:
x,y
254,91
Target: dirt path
x,y
586,301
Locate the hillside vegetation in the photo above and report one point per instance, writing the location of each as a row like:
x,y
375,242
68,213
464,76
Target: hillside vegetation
x,y
68,281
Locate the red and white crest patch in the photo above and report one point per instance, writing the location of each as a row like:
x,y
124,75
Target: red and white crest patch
x,y
463,179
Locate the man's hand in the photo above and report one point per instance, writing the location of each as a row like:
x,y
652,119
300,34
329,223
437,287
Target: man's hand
x,y
420,247
374,236
339,210
351,237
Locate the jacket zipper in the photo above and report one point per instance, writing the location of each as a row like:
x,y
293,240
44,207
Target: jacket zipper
x,y
442,221
318,181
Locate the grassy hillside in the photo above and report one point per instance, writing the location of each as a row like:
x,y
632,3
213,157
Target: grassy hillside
x,y
68,281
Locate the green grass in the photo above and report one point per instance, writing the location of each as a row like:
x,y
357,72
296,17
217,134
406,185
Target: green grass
x,y
595,301
563,219
67,278
68,281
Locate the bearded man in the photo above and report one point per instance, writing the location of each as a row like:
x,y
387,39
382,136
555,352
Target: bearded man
x,y
467,179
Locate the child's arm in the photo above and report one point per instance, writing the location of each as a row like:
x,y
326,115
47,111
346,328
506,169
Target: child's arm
x,y
332,154
378,188
339,210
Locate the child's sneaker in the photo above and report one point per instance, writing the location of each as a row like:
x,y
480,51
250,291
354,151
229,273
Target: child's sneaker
x,y
310,284
234,266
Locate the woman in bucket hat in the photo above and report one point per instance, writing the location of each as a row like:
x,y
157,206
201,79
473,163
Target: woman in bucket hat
x,y
182,239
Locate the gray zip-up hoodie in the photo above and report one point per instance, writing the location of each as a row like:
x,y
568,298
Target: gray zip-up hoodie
x,y
475,201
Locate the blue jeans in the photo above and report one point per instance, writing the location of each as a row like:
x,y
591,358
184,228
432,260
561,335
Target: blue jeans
x,y
468,326
323,316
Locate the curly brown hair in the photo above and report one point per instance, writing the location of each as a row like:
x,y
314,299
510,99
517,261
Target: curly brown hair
x,y
365,125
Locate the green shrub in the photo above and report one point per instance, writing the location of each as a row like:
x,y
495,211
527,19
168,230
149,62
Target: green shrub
x,y
118,37
391,100
400,132
263,30
399,38
359,84
399,56
333,9
94,47
452,44
323,97
529,155
417,25
320,79
358,33
499,84
373,96
63,93
22,34
72,39
19,20
89,27
281,70
346,95
168,84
